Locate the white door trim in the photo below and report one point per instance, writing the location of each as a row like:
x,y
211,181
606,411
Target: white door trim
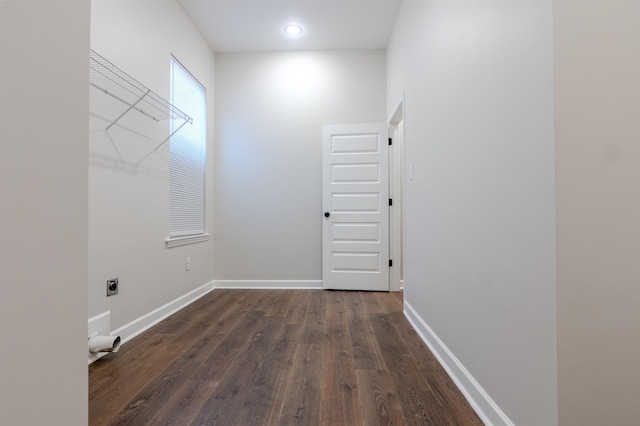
x,y
396,192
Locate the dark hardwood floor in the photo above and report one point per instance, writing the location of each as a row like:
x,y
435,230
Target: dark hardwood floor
x,y
278,357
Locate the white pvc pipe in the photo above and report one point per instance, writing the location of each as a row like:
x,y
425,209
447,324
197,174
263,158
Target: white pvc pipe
x,y
99,343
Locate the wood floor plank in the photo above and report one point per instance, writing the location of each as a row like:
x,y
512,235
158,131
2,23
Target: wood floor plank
x,y
377,391
183,405
278,357
313,325
235,385
159,392
339,399
298,307
123,384
413,391
422,403
375,305
301,399
131,392
429,369
376,388
366,352
267,390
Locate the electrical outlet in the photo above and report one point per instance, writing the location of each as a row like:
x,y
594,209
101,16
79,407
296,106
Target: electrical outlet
x,y
112,287
187,264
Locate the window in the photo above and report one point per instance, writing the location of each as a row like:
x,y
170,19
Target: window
x,y
187,158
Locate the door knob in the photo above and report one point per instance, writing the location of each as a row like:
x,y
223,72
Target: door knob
x,y
327,214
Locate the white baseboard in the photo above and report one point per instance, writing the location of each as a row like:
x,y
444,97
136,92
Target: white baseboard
x,y
480,401
145,322
269,284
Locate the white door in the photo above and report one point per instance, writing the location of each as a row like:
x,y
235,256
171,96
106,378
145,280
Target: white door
x,y
355,201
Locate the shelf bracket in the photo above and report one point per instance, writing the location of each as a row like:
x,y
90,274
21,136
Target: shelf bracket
x,y
132,106
190,120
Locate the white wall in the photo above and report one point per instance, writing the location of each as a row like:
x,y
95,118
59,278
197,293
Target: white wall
x,y
597,80
43,212
128,210
270,109
480,226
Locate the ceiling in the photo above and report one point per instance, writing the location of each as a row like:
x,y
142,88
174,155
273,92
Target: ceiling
x,y
258,25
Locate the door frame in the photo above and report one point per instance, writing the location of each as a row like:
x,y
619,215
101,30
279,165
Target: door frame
x,y
396,192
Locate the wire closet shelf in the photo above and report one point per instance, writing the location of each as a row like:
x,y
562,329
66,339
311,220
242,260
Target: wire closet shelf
x,y
120,103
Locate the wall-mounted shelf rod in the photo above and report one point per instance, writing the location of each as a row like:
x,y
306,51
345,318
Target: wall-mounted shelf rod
x,y
115,99
106,92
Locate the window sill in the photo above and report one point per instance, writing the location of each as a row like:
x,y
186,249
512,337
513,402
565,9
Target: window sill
x,y
183,241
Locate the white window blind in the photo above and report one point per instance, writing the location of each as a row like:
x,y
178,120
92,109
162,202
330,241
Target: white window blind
x,y
187,156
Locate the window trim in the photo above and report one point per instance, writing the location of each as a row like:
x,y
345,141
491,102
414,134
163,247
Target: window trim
x,y
183,241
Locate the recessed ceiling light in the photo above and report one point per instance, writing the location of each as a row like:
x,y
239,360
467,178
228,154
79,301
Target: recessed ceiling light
x,y
293,30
